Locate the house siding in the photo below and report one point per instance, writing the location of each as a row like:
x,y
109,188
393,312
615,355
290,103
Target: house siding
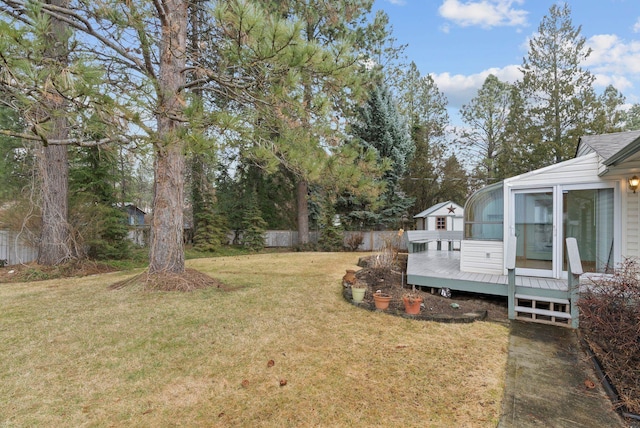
x,y
631,248
583,150
579,170
482,257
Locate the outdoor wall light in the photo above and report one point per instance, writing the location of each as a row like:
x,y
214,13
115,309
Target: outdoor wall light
x,y
633,183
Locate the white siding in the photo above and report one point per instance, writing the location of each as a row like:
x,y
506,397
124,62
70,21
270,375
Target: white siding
x,y
632,231
431,223
482,257
583,150
575,171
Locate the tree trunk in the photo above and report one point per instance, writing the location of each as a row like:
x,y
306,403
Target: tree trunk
x,y
302,189
55,243
167,247
53,164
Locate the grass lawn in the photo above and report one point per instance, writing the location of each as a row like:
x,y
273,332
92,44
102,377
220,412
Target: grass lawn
x,y
74,353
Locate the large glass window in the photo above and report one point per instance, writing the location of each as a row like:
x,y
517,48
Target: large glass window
x,y
484,214
533,224
588,217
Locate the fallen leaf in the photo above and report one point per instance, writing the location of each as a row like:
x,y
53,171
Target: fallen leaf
x,y
271,363
283,382
245,383
589,384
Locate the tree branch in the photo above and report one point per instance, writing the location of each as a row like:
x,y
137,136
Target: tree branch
x,y
66,142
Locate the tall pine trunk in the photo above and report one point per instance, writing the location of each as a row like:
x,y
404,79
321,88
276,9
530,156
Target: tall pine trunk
x,y
302,189
55,241
166,253
53,165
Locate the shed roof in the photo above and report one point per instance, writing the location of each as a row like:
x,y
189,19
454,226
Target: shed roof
x,y
435,208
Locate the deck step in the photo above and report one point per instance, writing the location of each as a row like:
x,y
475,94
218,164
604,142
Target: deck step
x,y
543,312
545,299
546,310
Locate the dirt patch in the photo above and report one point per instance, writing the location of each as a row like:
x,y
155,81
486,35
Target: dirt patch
x,y
460,307
190,280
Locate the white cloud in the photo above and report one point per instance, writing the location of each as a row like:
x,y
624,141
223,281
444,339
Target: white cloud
x,y
614,61
484,13
460,89
397,2
619,82
636,26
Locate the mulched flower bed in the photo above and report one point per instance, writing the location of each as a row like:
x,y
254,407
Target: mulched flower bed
x,y
461,307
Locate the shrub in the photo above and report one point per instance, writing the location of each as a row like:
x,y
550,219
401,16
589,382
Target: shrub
x,y
387,257
610,322
353,241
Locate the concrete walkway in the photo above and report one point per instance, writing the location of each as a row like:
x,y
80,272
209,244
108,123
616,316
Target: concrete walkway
x,y
545,385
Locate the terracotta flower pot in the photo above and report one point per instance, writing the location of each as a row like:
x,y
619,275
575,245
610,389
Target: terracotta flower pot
x,y
381,300
349,278
412,305
358,294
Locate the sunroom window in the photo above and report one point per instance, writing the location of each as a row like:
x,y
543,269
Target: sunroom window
x,y
484,214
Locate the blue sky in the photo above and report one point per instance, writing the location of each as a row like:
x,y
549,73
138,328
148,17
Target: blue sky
x,y
460,42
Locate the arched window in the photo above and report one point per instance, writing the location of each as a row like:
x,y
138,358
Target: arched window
x,y
484,214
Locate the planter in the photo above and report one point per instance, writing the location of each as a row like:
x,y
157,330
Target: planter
x,y
381,300
358,294
349,278
412,305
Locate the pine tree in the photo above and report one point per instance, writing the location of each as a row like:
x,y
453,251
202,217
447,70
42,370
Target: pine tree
x,y
522,151
331,233
632,118
487,116
455,184
253,225
211,231
558,89
98,224
379,127
425,107
609,117
16,161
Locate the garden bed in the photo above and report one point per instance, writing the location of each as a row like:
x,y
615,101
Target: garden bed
x,y
460,307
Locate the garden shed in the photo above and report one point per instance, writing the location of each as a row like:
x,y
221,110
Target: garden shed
x,y
441,219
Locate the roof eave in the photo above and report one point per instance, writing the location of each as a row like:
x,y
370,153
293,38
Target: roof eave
x,y
624,154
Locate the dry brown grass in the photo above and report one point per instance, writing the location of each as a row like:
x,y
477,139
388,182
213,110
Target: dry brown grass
x,y
75,353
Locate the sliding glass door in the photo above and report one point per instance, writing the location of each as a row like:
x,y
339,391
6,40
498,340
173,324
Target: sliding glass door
x,y
543,218
588,217
534,227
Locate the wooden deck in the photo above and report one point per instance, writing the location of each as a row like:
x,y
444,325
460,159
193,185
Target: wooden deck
x,y
441,269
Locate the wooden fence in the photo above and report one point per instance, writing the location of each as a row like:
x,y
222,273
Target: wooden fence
x,y
15,250
371,240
